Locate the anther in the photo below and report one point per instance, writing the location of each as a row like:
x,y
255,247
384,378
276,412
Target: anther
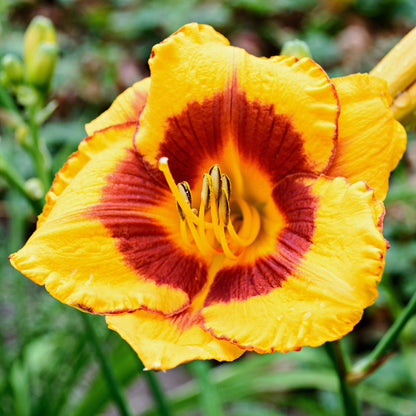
x,y
226,185
185,192
224,207
215,173
205,193
181,214
187,196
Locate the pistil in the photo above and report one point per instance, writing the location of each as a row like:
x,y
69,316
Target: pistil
x,y
215,200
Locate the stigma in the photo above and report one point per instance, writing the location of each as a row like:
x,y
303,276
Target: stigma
x,y
210,228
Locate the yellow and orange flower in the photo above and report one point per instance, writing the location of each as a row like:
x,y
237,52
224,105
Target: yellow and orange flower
x,y
220,206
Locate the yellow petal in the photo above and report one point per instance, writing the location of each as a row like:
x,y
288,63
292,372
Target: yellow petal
x,y
163,343
126,107
99,244
370,141
206,96
323,296
299,89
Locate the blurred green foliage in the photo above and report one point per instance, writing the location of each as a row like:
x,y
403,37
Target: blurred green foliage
x,y
46,364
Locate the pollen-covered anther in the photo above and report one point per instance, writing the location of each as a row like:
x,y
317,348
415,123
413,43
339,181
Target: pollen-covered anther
x,y
205,192
215,173
226,185
185,191
224,207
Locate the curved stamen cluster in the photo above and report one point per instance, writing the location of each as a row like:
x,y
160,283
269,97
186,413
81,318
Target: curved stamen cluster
x,y
211,227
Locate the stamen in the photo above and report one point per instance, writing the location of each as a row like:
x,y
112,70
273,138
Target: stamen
x,y
185,192
202,244
226,185
214,213
186,209
205,193
205,199
219,229
224,207
181,214
215,197
215,173
184,232
187,196
251,222
225,247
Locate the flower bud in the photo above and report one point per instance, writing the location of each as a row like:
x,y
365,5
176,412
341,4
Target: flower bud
x,y
296,48
398,68
404,106
40,72
12,67
39,30
40,51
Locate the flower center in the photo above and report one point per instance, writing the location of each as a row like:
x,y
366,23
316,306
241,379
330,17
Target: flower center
x,y
211,227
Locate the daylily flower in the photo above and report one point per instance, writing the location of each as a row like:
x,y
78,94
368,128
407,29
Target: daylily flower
x,y
220,206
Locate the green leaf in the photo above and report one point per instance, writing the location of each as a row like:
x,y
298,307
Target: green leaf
x,y
125,366
19,382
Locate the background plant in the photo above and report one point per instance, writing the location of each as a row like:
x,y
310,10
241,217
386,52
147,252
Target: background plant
x,y
57,361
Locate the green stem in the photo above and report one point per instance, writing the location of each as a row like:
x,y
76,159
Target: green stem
x,y
157,393
393,297
377,356
40,159
341,364
106,368
209,398
17,182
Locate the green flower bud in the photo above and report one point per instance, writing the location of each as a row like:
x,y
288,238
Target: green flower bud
x,y
39,30
40,51
12,67
296,48
40,72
